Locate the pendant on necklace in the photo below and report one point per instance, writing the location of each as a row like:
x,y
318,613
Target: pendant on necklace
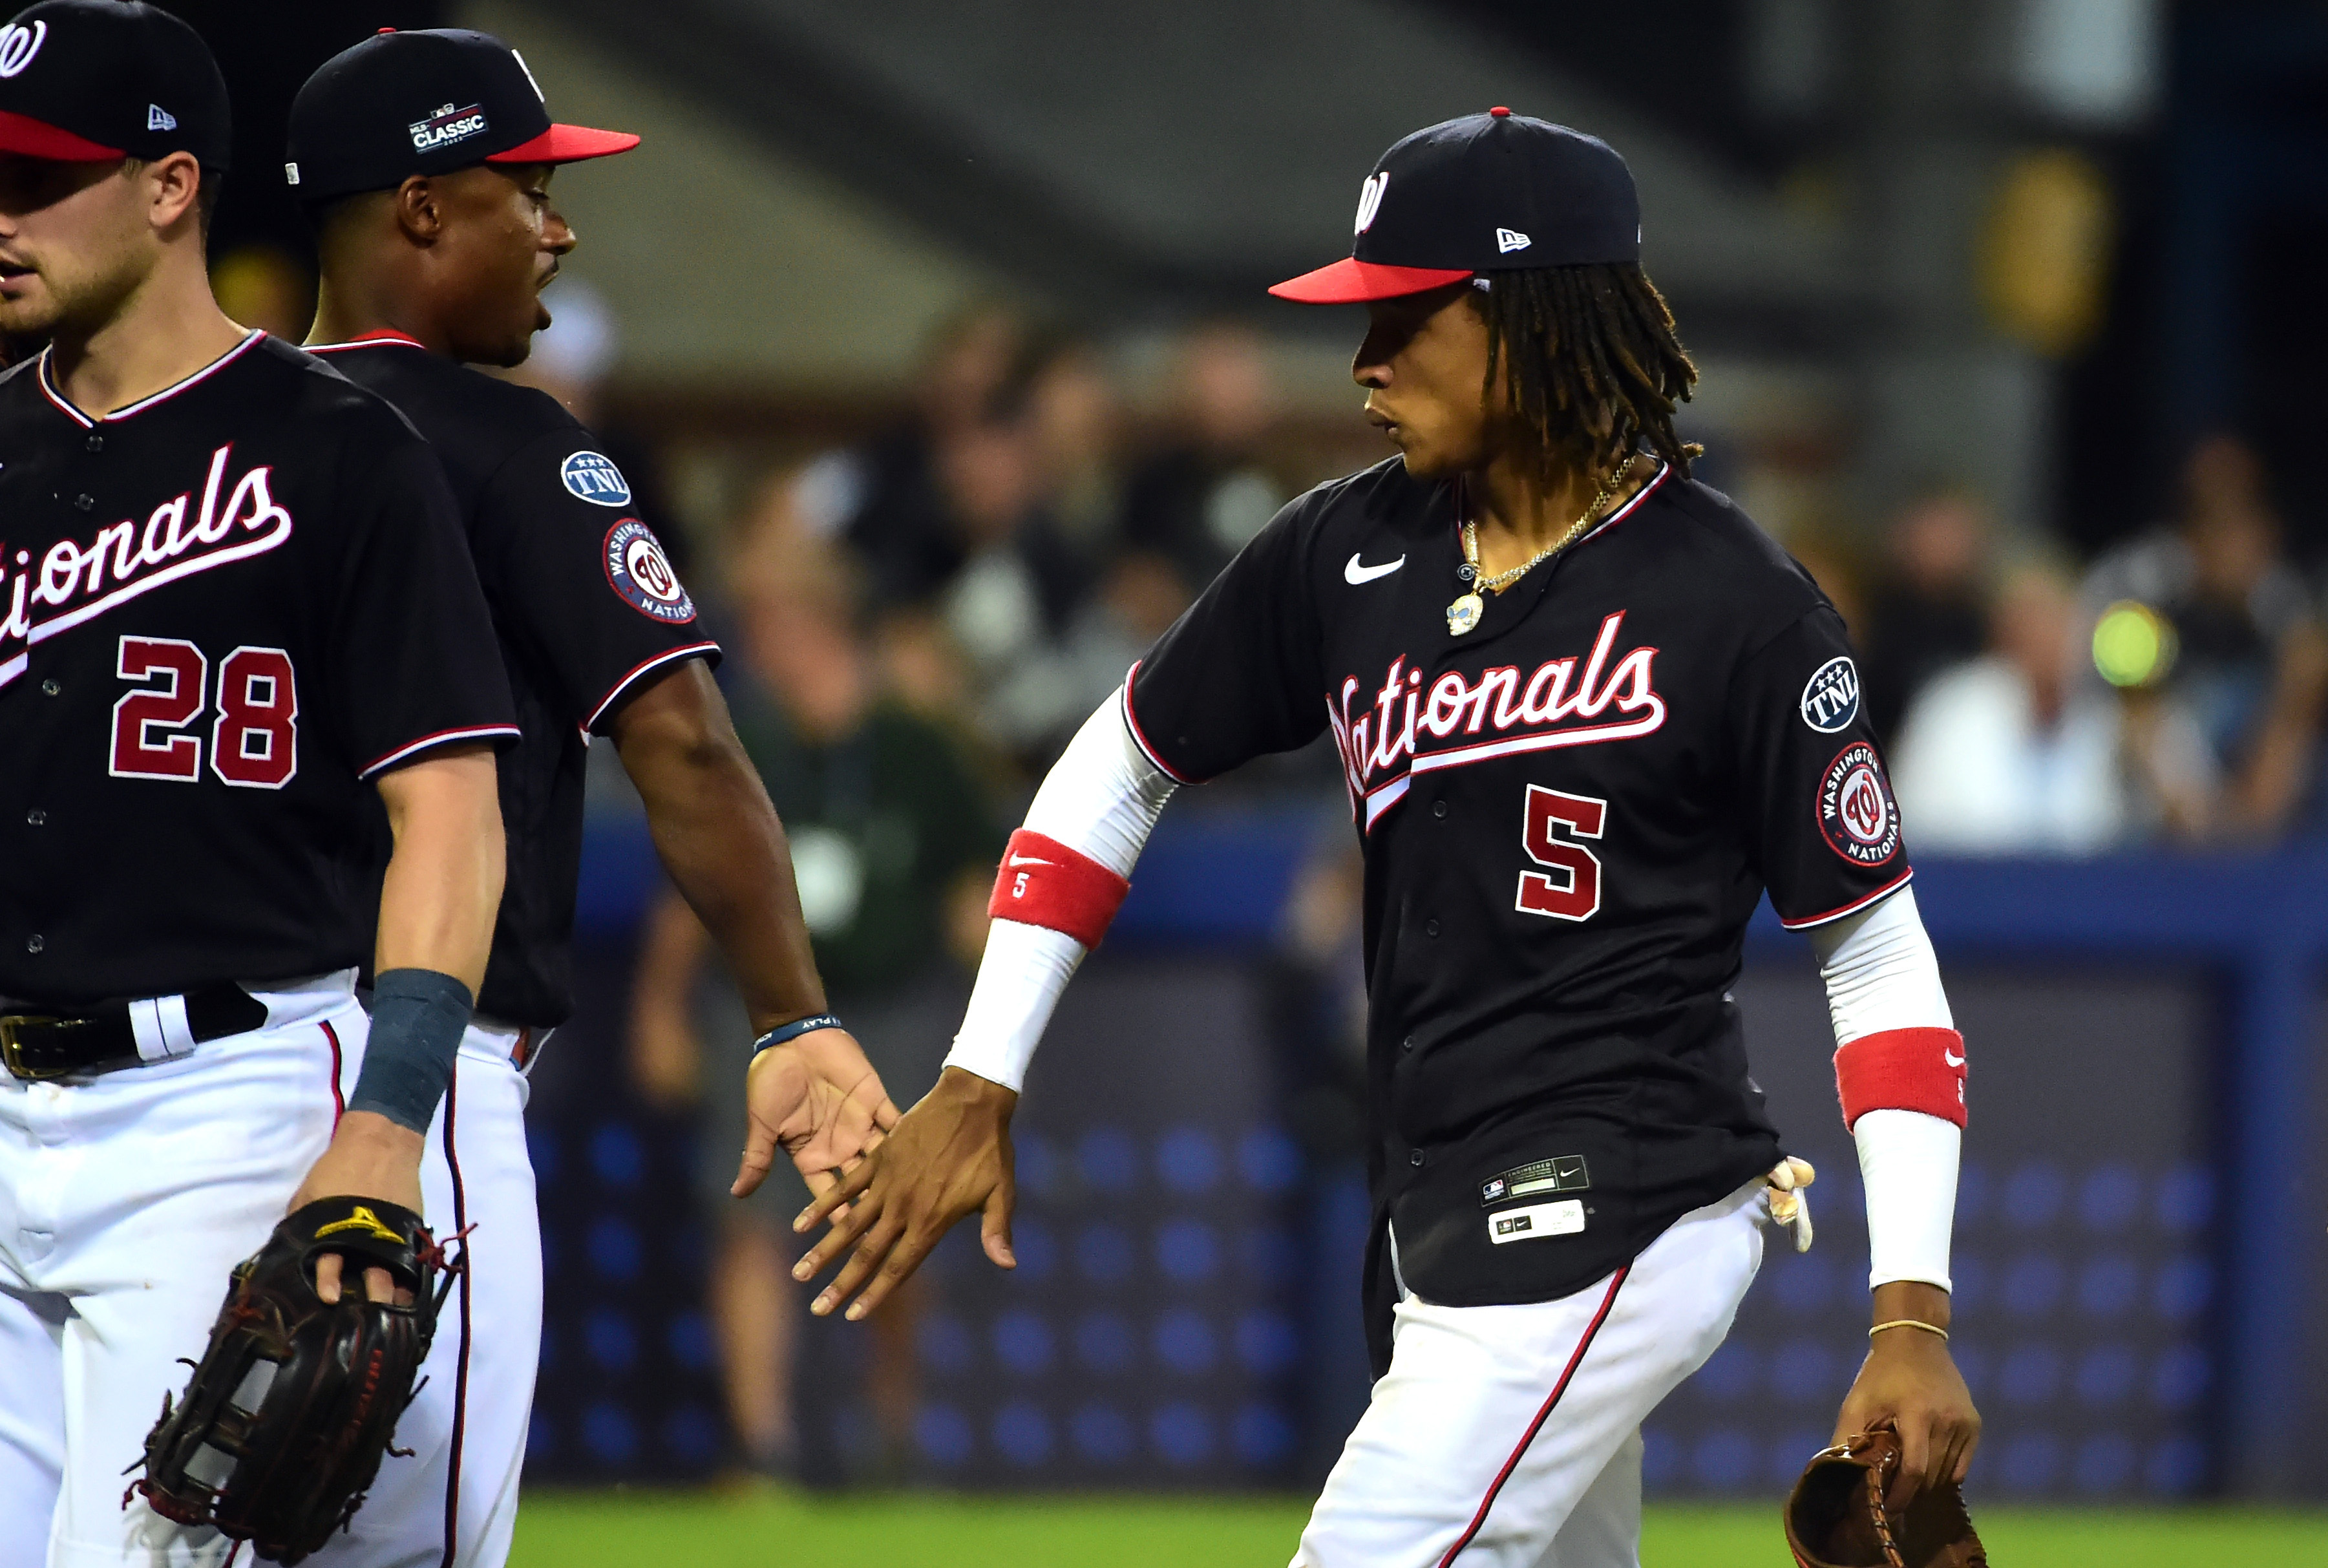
x,y
1464,614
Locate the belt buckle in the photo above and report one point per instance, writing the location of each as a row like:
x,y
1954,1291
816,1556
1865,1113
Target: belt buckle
x,y
12,1049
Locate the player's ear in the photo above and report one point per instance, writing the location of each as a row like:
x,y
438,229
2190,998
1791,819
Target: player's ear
x,y
172,187
420,209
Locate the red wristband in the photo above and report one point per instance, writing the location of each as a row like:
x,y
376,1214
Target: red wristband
x,y
1902,1070
1042,882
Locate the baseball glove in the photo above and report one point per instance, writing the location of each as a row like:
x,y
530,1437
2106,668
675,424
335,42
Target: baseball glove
x,y
1836,1518
282,1428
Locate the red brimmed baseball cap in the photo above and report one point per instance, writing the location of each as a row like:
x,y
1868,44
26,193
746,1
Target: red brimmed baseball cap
x,y
1488,192
87,81
426,102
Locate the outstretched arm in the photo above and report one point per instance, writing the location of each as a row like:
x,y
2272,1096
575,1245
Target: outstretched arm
x,y
1059,884
815,1096
1899,1070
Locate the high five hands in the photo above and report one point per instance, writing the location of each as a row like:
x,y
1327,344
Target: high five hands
x,y
949,1156
818,1099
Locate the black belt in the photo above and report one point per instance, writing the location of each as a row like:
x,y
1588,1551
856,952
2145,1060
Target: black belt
x,y
101,1038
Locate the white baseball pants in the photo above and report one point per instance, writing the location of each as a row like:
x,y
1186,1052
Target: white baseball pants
x,y
1510,1437
453,1503
124,1202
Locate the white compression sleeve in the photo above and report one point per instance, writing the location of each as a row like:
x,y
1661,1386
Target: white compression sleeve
x,y
1101,799
1882,975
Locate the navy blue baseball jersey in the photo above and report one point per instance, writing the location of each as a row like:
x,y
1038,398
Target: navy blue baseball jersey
x,y
228,609
1569,813
587,611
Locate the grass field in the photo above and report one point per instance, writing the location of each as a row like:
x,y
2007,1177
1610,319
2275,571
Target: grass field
x,y
768,1530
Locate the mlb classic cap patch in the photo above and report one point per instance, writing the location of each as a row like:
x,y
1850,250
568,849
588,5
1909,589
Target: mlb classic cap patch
x,y
1487,193
87,81
426,102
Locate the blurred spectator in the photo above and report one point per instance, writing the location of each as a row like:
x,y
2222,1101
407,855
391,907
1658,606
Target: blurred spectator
x,y
914,502
260,286
893,848
2253,663
1202,496
2012,752
572,360
1927,611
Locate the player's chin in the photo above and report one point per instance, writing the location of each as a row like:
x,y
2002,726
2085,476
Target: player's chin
x,y
1424,461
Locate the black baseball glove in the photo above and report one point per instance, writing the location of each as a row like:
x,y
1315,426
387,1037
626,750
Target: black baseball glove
x,y
283,1425
1837,1517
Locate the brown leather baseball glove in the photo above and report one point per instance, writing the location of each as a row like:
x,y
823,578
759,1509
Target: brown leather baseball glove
x,y
285,1419
1836,1518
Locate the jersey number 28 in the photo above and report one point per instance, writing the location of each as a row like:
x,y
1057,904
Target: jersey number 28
x,y
254,741
1569,888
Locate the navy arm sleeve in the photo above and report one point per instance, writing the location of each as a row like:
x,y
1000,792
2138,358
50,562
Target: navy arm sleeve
x,y
1815,797
582,579
416,664
1240,674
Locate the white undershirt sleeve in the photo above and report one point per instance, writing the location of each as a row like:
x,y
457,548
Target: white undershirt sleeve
x,y
1882,975
1101,799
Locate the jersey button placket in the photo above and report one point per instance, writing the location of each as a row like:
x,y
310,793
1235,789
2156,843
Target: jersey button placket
x,y
50,687
37,817
1415,1157
1439,809
84,501
1431,929
36,942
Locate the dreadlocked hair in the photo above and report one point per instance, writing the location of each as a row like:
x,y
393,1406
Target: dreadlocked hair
x,y
1589,365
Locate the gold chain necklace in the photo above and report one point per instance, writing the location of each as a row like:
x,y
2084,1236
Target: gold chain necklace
x,y
1464,614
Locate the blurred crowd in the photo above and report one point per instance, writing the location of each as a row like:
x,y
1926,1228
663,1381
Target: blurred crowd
x,y
2172,691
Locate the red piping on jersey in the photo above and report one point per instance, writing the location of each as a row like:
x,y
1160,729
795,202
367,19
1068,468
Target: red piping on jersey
x,y
590,725
382,335
338,1101
1536,1425
441,738
1854,907
461,1374
1140,735
40,374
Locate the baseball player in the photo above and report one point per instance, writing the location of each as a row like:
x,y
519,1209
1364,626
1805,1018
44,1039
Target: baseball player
x,y
425,158
1587,714
234,604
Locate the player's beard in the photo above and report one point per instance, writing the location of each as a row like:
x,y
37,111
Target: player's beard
x,y
74,294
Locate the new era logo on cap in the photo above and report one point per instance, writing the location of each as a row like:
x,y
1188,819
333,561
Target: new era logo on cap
x,y
1508,240
158,118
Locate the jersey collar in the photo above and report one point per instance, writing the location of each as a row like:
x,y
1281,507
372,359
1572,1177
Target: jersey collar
x,y
364,339
48,388
1462,506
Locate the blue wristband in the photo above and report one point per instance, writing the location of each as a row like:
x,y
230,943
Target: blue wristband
x,y
417,1018
783,1034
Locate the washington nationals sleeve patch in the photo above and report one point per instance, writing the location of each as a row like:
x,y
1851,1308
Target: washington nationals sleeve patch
x,y
1856,813
640,573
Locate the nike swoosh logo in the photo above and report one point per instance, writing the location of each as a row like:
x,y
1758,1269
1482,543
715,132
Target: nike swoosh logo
x,y
1030,861
1353,574
1952,1058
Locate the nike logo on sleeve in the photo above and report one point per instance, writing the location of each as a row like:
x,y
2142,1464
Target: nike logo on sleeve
x,y
1353,574
1030,861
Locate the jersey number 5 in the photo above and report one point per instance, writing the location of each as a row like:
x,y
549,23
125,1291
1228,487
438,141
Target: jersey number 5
x,y
1570,888
254,740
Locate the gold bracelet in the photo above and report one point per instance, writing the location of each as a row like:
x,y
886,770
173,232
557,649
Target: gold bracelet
x,y
1909,1323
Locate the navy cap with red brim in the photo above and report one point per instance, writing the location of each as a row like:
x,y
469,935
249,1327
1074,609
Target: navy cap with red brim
x,y
566,144
1351,281
32,138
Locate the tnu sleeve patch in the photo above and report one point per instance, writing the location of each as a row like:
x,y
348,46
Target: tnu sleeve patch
x,y
591,476
640,573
